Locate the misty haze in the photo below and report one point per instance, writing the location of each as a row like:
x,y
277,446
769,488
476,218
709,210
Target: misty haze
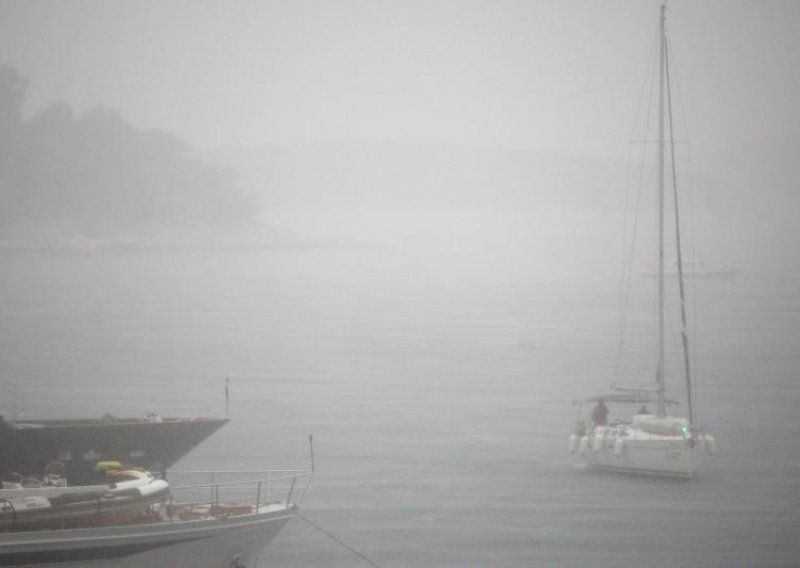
x,y
403,227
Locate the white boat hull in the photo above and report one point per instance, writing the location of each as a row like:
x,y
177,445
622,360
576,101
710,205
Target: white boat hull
x,y
657,457
667,455
234,541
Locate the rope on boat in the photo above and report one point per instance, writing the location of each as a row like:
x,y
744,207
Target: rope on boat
x,y
338,540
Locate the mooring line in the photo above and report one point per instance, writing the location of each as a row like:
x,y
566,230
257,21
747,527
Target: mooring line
x,y
338,540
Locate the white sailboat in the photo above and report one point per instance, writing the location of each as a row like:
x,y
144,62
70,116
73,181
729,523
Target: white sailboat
x,y
657,442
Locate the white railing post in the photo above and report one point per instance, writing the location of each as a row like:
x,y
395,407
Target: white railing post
x,y
214,492
289,496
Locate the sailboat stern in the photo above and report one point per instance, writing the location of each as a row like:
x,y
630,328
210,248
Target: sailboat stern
x,y
638,451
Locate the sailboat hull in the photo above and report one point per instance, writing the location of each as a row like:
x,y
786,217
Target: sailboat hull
x,y
668,456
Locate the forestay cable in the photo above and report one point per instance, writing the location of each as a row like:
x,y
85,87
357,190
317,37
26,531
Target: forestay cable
x,y
338,540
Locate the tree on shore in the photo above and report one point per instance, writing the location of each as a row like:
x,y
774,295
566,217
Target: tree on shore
x,y
96,175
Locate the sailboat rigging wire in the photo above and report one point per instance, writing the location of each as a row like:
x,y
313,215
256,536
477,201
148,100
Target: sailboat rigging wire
x,y
660,410
689,183
684,330
337,540
628,248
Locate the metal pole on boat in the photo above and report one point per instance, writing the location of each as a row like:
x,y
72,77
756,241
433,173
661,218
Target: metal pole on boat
x,y
311,450
678,250
291,490
661,411
227,397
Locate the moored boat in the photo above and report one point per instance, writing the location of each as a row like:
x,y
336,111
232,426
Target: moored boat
x,y
126,493
631,438
150,442
226,520
659,441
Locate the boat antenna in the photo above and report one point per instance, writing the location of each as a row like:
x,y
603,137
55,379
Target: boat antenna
x,y
227,397
311,450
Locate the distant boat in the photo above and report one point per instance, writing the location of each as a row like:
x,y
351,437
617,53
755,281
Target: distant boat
x,y
692,269
153,443
646,438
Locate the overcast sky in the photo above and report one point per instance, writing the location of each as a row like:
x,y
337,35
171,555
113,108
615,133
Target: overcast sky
x,y
554,74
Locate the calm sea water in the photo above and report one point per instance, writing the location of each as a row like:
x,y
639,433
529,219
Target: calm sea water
x,y
438,392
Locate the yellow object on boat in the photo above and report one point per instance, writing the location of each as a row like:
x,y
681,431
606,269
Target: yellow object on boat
x,y
108,466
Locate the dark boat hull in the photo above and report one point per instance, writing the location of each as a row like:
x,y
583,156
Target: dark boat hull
x,y
27,446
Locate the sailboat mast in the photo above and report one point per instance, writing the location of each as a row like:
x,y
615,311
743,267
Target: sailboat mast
x,y
679,251
661,410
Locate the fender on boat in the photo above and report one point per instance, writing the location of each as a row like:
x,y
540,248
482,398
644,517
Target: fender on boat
x,y
108,466
619,445
711,444
597,443
584,445
154,488
573,443
12,507
130,479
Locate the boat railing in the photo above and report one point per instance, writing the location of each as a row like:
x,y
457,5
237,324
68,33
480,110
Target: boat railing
x,y
231,491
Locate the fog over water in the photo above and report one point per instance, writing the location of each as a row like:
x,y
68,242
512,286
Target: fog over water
x,y
378,109
400,226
